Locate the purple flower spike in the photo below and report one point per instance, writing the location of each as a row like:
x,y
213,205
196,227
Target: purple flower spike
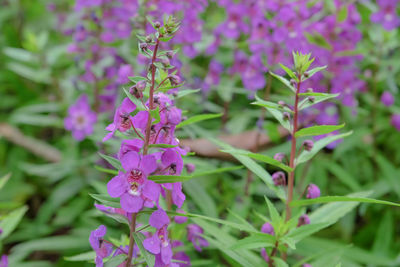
x,y
194,236
279,178
80,119
313,191
268,229
180,219
303,220
387,98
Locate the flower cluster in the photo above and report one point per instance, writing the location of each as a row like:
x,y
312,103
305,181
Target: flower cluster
x,y
387,14
149,150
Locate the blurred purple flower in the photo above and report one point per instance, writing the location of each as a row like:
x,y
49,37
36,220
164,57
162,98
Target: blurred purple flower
x,y
387,98
194,236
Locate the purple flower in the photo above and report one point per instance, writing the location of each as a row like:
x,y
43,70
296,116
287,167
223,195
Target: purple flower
x,y
190,167
103,249
306,265
268,229
4,261
234,25
387,98
133,187
180,255
279,178
172,162
279,156
303,220
194,236
214,72
180,219
387,15
80,119
122,118
313,191
159,242
123,73
395,120
128,145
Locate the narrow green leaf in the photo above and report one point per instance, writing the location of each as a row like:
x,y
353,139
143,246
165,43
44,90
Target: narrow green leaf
x,y
161,179
320,144
289,72
284,81
279,262
87,256
304,231
318,130
105,170
327,199
260,157
273,213
115,261
255,241
216,171
318,39
314,70
148,257
4,180
162,146
198,118
136,79
11,221
318,97
106,200
113,161
342,14
186,92
268,104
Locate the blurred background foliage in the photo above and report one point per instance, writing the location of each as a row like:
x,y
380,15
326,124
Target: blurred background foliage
x,y
50,174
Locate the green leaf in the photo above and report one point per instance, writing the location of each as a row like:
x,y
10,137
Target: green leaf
x,y
105,170
273,212
279,262
318,39
148,257
320,144
115,261
20,54
136,79
161,146
155,114
304,231
313,71
161,179
106,200
198,118
289,72
11,220
268,104
4,180
255,241
113,161
284,81
87,256
260,157
318,130
216,171
342,14
384,235
332,212
186,92
318,97
327,199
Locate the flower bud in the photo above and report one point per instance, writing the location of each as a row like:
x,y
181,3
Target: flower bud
x,y
169,54
306,265
306,74
135,92
279,156
174,79
143,46
308,145
310,90
264,255
180,219
190,167
286,116
311,99
149,39
281,103
292,82
279,178
165,62
157,24
303,220
268,229
141,85
313,191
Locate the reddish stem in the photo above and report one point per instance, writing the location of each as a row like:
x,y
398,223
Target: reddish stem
x,y
145,146
293,152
